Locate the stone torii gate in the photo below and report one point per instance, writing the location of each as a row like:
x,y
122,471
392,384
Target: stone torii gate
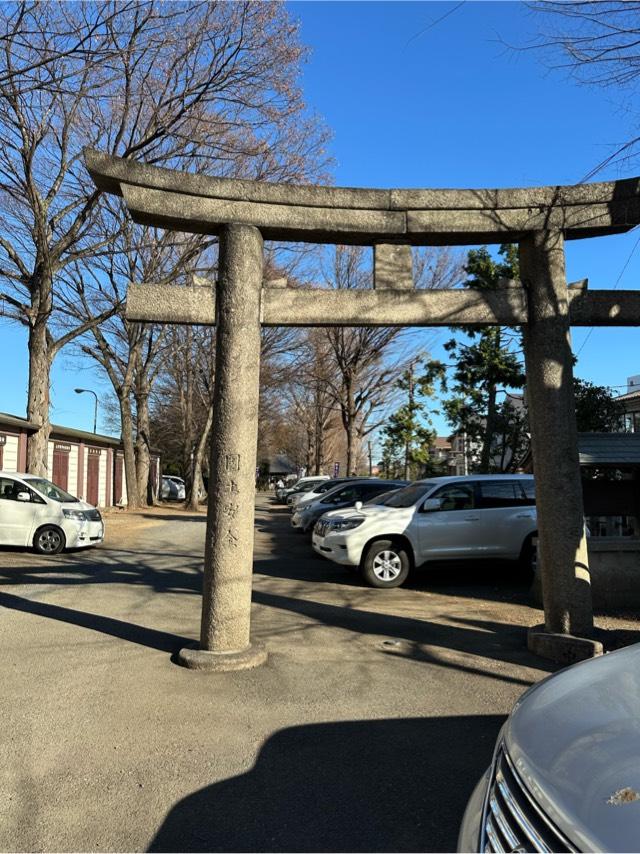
x,y
244,213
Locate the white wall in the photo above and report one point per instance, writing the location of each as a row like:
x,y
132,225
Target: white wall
x,y
102,479
10,454
72,480
124,481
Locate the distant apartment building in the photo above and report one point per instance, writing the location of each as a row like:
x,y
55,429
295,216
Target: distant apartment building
x,y
631,403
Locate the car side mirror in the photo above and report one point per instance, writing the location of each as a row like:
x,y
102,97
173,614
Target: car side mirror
x,y
23,496
431,504
358,505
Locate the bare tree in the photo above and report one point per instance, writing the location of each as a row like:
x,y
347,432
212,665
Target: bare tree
x,y
182,410
367,361
131,354
198,84
597,42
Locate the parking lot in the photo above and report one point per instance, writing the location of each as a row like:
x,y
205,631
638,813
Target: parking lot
x,y
366,730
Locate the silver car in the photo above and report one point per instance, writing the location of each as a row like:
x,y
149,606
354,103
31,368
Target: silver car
x,y
172,488
440,519
565,775
343,495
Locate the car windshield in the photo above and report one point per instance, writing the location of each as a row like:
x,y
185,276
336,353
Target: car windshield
x,y
306,487
410,495
336,493
382,498
325,485
50,490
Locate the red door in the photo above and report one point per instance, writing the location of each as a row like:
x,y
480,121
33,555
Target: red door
x,y
93,477
117,480
60,468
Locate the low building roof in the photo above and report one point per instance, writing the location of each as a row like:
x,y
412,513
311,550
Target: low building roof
x,y
58,432
441,442
629,394
609,449
280,464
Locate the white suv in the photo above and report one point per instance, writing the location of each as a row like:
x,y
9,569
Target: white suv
x,y
444,518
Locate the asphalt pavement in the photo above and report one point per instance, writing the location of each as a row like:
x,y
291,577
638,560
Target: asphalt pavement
x,y
366,730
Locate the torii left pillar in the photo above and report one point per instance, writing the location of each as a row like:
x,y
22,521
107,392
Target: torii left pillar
x,y
225,642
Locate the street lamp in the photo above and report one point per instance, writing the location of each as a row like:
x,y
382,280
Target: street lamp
x,y
95,411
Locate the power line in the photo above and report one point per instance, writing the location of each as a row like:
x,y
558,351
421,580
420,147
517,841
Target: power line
x,y
626,264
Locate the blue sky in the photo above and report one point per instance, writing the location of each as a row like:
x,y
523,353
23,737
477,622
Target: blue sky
x,y
417,102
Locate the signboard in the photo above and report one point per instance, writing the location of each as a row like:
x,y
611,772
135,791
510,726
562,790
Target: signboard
x,y
96,451
336,469
61,446
3,439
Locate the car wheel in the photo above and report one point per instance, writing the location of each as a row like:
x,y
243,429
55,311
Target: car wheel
x,y
49,540
386,564
529,557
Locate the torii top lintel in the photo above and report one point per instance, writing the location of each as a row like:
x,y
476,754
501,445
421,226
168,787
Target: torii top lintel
x,y
202,204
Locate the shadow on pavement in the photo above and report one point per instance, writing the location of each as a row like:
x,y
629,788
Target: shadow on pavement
x,y
176,517
163,641
476,638
355,608
374,785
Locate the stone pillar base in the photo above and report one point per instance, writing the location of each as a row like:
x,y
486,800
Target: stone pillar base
x,y
563,649
220,662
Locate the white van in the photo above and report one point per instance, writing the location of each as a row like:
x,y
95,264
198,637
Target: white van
x,y
35,512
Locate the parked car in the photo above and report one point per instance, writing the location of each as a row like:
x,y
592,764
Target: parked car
x,y
173,488
445,518
321,488
281,493
565,774
281,490
307,513
303,485
35,512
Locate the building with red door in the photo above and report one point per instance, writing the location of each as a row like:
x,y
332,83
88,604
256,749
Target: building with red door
x,y
87,465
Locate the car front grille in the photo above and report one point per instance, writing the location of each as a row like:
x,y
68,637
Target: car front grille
x,y
321,527
512,820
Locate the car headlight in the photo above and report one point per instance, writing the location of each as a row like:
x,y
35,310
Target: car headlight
x,y
78,515
345,524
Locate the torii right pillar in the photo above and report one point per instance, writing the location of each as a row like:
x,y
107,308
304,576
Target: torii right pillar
x,y
563,562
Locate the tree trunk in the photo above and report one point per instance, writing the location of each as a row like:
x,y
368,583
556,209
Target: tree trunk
x,y
309,456
197,483
351,447
349,423
318,438
126,419
142,448
489,431
407,448
38,397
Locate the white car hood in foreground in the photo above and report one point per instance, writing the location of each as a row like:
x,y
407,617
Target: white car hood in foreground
x,y
575,741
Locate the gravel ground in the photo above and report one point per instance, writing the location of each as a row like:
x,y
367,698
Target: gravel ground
x,y
365,731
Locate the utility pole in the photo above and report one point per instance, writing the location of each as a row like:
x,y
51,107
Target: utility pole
x,y
95,410
407,447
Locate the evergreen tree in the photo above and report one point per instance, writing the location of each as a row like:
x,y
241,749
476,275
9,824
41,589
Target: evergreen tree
x,y
489,364
408,436
597,410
